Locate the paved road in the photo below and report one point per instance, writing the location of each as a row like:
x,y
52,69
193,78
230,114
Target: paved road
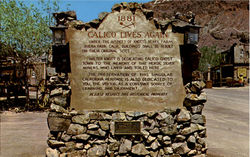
x,y
23,134
227,114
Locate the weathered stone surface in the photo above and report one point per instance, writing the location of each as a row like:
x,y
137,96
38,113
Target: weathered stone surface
x,y
195,97
201,141
66,93
180,148
61,101
169,130
93,132
139,149
118,116
197,108
93,126
78,153
102,15
160,138
150,139
167,121
183,116
162,116
97,150
203,133
145,134
198,119
151,114
79,145
101,132
95,23
168,150
104,125
154,131
116,7
52,152
179,138
153,154
57,108
107,117
197,86
166,138
155,145
99,142
55,143
191,139
192,152
65,137
81,119
149,124
96,116
167,143
57,91
83,137
87,146
125,146
198,147
192,128
76,129
58,122
83,99
138,114
201,155
63,150
114,146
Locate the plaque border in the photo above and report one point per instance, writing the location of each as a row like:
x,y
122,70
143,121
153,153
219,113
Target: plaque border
x,y
132,133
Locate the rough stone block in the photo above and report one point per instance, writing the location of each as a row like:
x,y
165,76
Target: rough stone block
x,y
76,129
125,146
58,122
139,149
97,150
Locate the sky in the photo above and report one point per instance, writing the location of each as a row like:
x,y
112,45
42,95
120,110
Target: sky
x,y
87,10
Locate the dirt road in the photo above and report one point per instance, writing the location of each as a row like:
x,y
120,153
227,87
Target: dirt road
x,y
23,134
227,114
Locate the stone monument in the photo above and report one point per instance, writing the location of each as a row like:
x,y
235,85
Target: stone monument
x,y
125,94
127,63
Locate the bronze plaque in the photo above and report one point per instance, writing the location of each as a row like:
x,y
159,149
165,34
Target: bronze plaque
x,y
128,128
126,64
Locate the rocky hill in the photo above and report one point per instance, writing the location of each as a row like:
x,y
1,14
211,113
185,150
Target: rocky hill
x,y
223,22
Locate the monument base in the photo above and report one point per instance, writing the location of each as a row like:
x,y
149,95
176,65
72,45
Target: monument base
x,y
172,132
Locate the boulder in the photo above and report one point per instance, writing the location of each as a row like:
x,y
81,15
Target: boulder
x,y
83,137
52,152
104,125
180,148
97,150
125,146
169,130
58,122
81,119
76,129
198,119
56,91
183,116
139,149
55,143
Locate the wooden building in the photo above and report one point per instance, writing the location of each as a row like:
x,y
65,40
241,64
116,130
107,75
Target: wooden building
x,y
234,62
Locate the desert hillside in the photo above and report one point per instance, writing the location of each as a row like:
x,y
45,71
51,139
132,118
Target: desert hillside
x,y
223,22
